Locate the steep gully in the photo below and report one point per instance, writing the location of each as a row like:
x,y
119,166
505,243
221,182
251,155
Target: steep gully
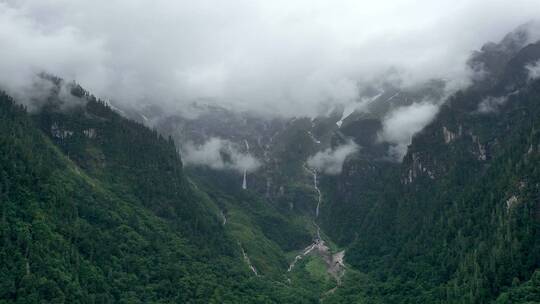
x,y
334,262
244,186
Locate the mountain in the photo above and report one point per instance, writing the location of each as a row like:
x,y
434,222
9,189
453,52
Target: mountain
x,y
126,206
459,223
96,208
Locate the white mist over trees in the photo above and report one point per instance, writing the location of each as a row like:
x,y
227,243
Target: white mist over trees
x,y
401,124
219,154
330,161
534,70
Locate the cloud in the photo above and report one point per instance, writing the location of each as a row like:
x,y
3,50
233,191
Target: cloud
x,y
29,49
330,161
279,57
491,104
401,124
534,70
218,154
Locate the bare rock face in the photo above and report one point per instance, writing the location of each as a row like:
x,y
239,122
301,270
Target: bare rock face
x,y
450,136
479,148
511,202
59,132
90,133
418,164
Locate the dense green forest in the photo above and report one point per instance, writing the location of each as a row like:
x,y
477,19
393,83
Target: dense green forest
x,y
460,222
108,216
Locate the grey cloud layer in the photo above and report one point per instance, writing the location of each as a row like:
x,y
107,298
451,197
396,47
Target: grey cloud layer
x,y
286,57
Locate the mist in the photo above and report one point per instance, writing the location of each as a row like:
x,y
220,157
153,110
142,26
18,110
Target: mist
x,y
218,154
491,104
330,161
288,58
400,125
534,70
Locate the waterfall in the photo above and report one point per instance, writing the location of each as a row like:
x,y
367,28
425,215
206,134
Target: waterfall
x,y
223,217
335,265
316,187
318,192
318,245
244,182
248,261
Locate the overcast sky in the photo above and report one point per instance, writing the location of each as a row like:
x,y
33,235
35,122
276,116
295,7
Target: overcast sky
x,y
273,56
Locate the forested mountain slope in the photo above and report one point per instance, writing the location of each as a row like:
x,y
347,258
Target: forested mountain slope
x,y
96,209
461,221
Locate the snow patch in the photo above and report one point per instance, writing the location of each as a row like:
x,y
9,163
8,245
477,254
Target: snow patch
x,y
353,106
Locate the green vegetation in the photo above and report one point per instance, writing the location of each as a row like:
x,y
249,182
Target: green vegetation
x,y
316,267
76,228
471,234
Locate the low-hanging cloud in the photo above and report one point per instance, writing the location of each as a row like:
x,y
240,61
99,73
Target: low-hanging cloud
x,y
280,57
401,124
491,104
218,154
534,70
330,161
